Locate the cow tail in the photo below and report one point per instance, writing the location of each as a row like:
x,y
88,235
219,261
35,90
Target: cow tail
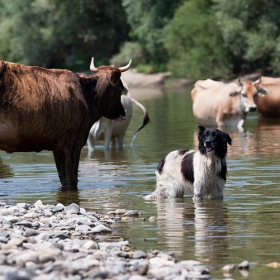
x,y
146,119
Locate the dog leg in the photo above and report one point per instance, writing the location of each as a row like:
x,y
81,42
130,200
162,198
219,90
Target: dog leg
x,y
217,192
198,189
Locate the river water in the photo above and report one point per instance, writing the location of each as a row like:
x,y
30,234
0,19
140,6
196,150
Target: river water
x,y
245,226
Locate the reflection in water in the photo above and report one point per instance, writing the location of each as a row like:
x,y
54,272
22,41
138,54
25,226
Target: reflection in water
x,y
268,135
67,197
204,223
5,170
211,230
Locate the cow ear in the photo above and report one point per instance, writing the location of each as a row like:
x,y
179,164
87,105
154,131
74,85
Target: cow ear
x,y
258,81
239,81
115,77
227,138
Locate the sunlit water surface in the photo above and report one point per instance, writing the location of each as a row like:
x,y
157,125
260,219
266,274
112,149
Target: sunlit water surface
x,y
245,226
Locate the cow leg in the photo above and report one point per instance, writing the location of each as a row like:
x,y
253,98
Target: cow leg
x,y
90,142
67,164
120,141
71,166
108,136
59,158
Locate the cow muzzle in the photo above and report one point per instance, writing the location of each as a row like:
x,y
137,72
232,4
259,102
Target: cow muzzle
x,y
252,108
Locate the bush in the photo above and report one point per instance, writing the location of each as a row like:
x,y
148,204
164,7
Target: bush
x,y
195,44
129,50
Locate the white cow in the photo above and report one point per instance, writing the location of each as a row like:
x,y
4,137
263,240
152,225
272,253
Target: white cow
x,y
110,130
219,104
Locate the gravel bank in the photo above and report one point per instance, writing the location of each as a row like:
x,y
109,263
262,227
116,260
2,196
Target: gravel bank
x,y
62,242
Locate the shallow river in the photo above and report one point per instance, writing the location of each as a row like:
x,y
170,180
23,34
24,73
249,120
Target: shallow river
x,y
245,226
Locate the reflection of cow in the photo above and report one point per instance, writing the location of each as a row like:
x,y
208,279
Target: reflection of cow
x,y
268,99
50,109
110,130
218,104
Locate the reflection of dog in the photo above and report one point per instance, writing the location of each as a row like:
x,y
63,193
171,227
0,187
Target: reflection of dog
x,y
201,172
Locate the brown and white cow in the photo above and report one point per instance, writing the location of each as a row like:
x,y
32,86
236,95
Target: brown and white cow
x,y
219,104
111,131
268,98
51,109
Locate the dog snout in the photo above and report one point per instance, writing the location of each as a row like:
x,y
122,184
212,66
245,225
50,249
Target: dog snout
x,y
207,143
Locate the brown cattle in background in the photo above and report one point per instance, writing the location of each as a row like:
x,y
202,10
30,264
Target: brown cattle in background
x,y
51,109
217,104
268,98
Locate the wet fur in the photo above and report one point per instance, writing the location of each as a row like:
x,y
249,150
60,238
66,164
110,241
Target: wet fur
x,y
199,172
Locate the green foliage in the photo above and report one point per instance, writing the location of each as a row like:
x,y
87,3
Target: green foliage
x,y
61,33
194,43
147,19
129,50
251,31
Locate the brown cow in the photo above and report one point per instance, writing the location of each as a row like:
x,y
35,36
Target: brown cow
x,y
268,98
219,104
51,109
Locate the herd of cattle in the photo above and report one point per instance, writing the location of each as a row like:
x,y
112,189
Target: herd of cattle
x,y
59,111
226,104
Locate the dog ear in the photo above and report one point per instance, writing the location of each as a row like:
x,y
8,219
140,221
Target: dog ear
x,y
200,129
227,138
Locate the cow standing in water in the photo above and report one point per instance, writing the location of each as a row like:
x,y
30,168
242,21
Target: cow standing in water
x,y
219,104
51,109
268,98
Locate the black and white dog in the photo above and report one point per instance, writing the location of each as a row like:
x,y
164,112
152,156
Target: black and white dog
x,y
201,172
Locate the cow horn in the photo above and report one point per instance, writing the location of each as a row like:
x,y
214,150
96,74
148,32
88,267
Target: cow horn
x,y
92,67
257,81
124,68
239,81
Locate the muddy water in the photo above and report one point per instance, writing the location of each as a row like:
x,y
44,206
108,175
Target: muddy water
x,y
244,226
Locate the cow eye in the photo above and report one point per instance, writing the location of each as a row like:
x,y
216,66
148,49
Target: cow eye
x,y
244,94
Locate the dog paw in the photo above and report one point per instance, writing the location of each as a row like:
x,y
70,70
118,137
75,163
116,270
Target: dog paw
x,y
148,197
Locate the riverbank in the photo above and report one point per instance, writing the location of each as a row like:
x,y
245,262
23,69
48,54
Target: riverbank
x,y
135,79
67,242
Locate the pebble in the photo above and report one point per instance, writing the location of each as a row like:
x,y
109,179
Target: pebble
x,y
40,241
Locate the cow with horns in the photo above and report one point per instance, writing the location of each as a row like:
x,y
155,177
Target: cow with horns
x,y
52,109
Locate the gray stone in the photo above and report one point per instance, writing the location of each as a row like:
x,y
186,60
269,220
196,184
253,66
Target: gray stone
x,y
139,255
100,228
31,232
56,209
73,208
11,219
23,205
24,223
131,213
90,245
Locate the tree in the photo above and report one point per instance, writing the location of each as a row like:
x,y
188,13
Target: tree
x,y
251,31
61,33
147,19
195,44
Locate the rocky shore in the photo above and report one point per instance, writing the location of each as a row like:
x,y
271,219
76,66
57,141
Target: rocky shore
x,y
63,242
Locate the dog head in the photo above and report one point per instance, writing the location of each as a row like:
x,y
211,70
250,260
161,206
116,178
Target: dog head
x,y
213,141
